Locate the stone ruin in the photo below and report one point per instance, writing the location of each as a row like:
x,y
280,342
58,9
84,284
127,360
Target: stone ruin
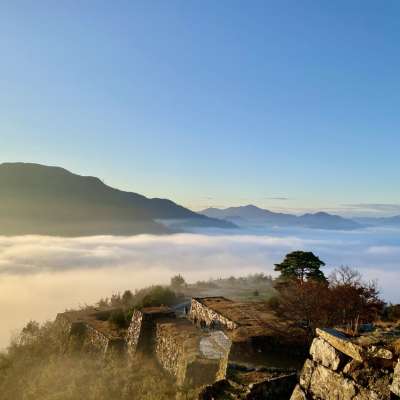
x,y
351,368
252,326
197,352
142,329
193,357
92,330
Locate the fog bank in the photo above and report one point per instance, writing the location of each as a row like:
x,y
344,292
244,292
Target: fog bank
x,y
40,276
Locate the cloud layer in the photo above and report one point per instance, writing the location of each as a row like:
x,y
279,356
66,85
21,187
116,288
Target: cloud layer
x,y
40,276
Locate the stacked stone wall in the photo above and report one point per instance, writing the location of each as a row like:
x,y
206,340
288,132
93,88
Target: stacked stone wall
x,y
84,336
190,356
342,369
170,353
201,314
141,335
134,330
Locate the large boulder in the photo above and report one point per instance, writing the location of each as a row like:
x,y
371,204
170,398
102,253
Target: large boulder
x,y
306,374
322,352
340,342
328,385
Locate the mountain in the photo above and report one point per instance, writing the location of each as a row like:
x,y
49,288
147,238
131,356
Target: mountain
x,y
380,221
251,215
38,199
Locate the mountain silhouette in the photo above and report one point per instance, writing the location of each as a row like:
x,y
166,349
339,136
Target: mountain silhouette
x,y
38,199
251,215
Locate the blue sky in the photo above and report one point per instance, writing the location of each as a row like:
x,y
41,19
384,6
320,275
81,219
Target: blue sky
x,y
209,103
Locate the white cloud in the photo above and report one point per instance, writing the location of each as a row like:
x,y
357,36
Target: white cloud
x,y
40,276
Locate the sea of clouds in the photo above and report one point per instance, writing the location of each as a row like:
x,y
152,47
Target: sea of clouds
x,y
40,276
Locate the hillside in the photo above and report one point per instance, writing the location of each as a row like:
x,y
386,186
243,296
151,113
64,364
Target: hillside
x,y
37,199
251,215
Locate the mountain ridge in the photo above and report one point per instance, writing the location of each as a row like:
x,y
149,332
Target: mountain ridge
x,y
40,199
253,215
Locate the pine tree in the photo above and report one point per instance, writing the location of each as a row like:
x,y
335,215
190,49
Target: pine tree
x,y
301,266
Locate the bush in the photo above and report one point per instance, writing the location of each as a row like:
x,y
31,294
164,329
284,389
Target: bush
x,y
159,296
119,318
392,313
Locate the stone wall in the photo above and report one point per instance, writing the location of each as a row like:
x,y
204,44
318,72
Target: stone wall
x,y
192,357
142,329
99,342
86,336
133,334
204,316
343,368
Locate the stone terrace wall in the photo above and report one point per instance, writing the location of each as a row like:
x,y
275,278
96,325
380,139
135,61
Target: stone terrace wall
x,y
201,314
88,337
344,369
99,342
133,334
142,329
192,357
170,351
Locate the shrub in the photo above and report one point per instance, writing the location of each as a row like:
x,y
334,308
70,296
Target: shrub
x,y
119,318
159,296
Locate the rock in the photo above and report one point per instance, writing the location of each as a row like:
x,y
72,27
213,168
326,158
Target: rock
x,y
395,387
298,394
365,394
376,380
306,373
379,352
340,342
351,366
272,389
322,352
328,385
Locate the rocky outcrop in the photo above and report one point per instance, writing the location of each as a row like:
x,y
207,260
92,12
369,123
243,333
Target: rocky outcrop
x,y
344,368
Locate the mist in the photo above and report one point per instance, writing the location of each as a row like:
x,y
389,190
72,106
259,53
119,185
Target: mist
x,y
41,276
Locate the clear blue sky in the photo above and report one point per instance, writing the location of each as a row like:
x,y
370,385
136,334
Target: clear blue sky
x,y
209,102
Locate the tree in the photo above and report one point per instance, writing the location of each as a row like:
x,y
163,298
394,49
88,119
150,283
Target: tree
x,y
127,298
345,301
305,304
301,266
177,281
355,301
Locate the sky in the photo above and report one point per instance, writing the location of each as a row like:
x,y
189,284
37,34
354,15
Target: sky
x,y
283,104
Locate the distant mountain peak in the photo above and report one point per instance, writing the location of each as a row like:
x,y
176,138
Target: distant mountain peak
x,y
253,215
39,199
